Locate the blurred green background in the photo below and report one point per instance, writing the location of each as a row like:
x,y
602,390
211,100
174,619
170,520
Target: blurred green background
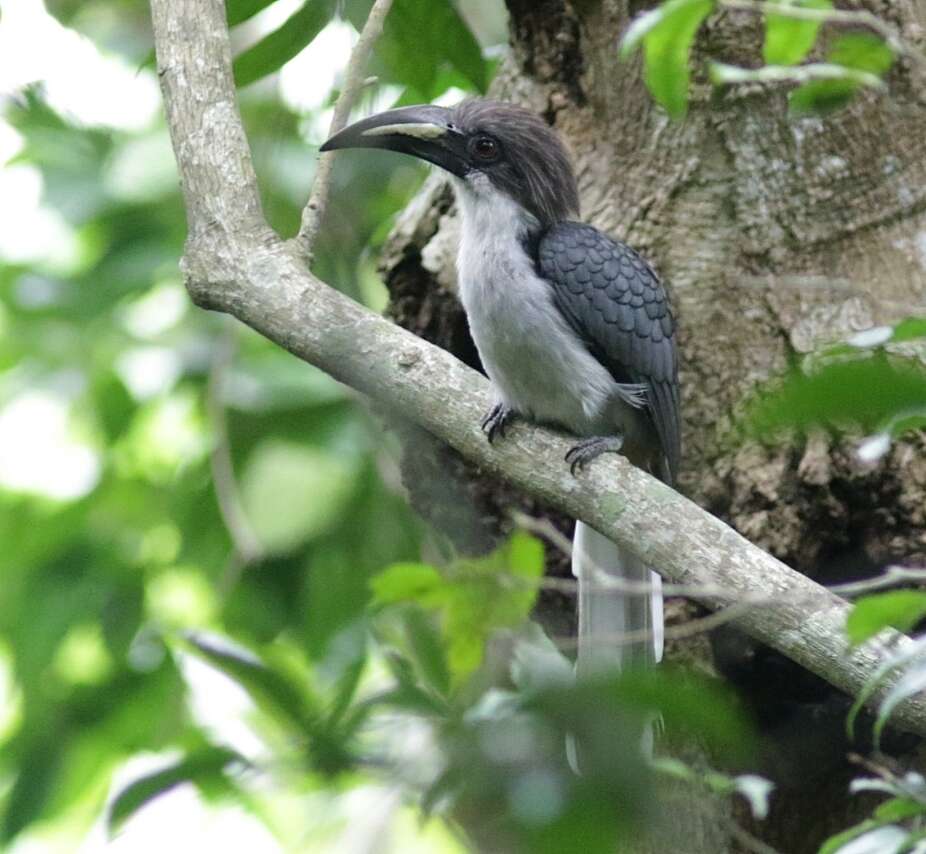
x,y
118,398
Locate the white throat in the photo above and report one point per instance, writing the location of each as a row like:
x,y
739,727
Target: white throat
x,y
493,223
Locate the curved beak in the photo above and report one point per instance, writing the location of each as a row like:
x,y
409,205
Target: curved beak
x,y
424,131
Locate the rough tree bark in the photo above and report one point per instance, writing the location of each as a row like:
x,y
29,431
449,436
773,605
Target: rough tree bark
x,y
776,235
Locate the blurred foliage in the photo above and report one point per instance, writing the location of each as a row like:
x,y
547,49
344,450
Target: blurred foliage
x,y
899,609
476,597
100,585
789,40
666,34
793,29
275,49
420,41
896,823
875,382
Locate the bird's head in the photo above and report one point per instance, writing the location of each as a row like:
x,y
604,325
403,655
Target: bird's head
x,y
489,146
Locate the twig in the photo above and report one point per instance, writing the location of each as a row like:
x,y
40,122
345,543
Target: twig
x,y
891,577
723,73
875,768
353,83
247,547
903,786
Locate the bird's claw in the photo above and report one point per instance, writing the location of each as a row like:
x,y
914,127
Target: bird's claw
x,y
496,420
585,451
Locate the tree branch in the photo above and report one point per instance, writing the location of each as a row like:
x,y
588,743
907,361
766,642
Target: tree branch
x,y
235,263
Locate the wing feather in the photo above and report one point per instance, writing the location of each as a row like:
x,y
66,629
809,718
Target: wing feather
x,y
615,302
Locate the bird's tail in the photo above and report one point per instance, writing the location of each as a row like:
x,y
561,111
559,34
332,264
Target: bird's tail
x,y
607,615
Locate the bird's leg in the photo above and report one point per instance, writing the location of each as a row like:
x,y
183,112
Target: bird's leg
x,y
588,449
496,420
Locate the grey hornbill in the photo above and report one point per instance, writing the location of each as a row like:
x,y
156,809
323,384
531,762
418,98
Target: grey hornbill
x,y
573,328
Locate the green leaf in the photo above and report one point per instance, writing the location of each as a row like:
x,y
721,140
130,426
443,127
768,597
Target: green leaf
x,y
687,703
407,582
198,767
902,609
888,839
421,38
425,644
909,329
374,532
475,597
639,28
276,49
897,809
868,392
495,592
265,600
858,52
345,689
525,555
238,11
39,774
270,690
863,52
834,843
666,46
821,96
907,422
461,50
287,698
788,40
408,694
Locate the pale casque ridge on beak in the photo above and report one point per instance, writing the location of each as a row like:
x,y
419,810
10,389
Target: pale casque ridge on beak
x,y
423,131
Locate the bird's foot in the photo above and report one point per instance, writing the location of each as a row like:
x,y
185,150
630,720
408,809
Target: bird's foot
x,y
588,449
497,419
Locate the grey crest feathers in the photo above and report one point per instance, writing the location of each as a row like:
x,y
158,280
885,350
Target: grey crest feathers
x,y
533,166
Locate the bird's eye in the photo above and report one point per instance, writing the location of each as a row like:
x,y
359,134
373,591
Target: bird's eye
x,y
485,148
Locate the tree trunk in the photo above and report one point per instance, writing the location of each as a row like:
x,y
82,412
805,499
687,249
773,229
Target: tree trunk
x,y
775,235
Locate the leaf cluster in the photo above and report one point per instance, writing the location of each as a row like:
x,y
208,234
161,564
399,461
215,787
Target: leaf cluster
x,y
852,61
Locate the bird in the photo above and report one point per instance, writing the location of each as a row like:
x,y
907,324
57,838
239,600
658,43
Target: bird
x,y
573,328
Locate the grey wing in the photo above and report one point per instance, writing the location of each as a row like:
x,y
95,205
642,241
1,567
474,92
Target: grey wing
x,y
617,305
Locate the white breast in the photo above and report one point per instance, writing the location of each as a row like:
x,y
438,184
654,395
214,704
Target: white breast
x,y
539,367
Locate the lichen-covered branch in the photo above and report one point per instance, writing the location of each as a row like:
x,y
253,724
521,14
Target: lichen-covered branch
x,y
236,264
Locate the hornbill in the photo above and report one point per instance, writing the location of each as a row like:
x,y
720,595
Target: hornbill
x,y
573,328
